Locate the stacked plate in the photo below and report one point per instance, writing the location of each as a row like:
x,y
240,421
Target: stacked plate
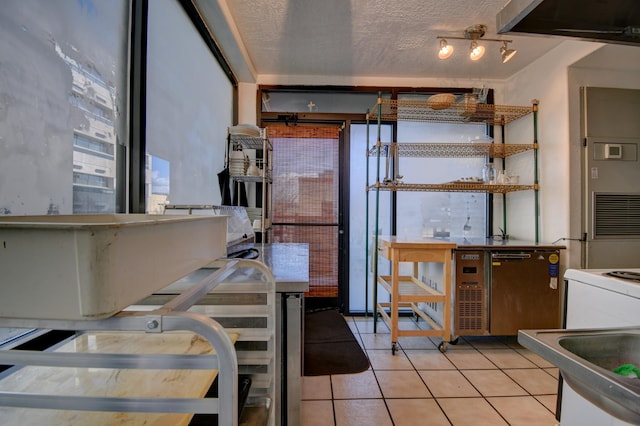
x,y
246,130
237,162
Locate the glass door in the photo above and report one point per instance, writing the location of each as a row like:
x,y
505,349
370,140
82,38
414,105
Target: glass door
x,y
361,203
306,182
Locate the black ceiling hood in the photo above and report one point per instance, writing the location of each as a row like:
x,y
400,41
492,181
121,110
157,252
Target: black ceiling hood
x,y
608,21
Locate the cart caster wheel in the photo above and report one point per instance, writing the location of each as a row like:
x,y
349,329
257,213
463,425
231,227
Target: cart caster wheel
x,y
394,348
442,347
454,341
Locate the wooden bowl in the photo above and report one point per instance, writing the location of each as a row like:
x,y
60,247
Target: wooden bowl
x,y
441,101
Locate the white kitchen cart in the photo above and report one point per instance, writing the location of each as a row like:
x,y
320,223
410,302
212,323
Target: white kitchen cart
x,y
76,393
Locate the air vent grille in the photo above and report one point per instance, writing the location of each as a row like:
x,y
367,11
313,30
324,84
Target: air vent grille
x,y
470,310
616,215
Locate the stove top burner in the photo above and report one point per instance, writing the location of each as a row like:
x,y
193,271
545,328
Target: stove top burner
x,y
625,275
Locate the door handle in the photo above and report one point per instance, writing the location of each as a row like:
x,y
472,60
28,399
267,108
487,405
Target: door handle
x,y
511,256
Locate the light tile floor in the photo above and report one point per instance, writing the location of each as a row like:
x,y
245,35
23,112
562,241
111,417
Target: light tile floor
x,y
479,381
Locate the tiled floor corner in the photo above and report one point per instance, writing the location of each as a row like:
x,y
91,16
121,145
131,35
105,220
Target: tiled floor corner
x,y
479,381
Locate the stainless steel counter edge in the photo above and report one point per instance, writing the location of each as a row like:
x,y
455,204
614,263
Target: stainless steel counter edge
x,y
511,244
289,264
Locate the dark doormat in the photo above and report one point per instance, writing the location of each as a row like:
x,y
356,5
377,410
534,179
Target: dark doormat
x,y
329,345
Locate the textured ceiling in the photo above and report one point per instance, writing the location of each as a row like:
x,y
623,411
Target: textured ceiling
x,y
372,38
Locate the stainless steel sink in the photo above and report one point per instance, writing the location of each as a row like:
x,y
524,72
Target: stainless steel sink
x,y
587,358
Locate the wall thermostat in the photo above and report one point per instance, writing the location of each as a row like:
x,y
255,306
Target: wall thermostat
x,y
612,150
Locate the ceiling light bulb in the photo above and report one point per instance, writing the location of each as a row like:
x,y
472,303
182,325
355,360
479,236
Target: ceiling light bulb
x,y
476,51
507,54
445,50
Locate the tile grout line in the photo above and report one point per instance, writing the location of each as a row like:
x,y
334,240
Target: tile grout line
x,y
384,400
480,351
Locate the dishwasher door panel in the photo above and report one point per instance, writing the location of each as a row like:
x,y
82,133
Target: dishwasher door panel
x,y
522,296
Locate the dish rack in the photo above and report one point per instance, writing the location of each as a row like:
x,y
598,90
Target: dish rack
x,y
173,316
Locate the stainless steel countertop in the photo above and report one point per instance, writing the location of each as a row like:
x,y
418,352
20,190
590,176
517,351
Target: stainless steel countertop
x,y
289,264
490,243
474,243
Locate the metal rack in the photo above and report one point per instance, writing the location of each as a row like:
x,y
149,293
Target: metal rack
x,y
244,304
453,187
170,317
265,176
455,150
465,111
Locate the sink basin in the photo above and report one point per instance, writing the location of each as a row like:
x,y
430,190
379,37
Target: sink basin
x,y
605,350
587,358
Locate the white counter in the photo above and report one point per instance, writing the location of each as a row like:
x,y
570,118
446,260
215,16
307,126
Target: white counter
x,y
599,278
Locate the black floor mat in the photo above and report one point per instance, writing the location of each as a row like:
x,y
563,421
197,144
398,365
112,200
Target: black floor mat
x,y
329,345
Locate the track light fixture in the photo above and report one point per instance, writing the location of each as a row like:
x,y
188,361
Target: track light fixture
x,y
507,53
476,50
445,49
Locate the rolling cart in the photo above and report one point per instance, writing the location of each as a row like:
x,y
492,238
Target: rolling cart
x,y
409,291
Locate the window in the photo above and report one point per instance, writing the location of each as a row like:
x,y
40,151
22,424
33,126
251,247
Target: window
x,y
319,101
361,243
429,214
83,141
189,107
64,103
57,61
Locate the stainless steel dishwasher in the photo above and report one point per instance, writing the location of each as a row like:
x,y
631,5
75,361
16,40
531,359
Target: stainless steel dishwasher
x,y
524,291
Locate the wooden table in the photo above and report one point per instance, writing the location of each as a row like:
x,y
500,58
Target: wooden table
x,y
408,291
111,382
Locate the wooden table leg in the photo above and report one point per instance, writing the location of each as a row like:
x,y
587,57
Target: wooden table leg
x,y
395,295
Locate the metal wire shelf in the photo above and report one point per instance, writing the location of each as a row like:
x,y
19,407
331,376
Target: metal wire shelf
x,y
251,142
460,112
452,187
260,178
452,150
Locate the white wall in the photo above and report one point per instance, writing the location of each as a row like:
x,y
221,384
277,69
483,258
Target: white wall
x,y
546,80
247,93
